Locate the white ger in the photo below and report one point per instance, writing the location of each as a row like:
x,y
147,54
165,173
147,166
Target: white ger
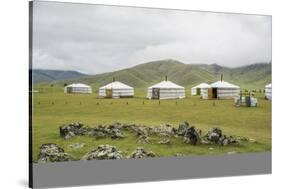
x,y
116,89
268,92
196,90
220,90
77,88
165,90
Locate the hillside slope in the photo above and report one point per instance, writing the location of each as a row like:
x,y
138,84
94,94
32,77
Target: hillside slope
x,y
143,75
40,75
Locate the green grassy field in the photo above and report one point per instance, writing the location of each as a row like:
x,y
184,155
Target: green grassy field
x,y
52,108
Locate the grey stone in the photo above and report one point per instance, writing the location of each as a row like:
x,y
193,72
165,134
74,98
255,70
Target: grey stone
x,y
103,152
70,130
165,141
192,136
77,145
183,127
143,139
140,152
52,153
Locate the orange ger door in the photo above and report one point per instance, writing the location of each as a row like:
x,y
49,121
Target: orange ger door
x,y
210,93
108,93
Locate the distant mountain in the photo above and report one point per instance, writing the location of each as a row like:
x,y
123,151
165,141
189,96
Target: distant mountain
x,y
143,75
41,75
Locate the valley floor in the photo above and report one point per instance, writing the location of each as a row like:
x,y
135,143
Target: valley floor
x,y
52,108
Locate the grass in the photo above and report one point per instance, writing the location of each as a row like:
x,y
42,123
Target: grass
x,y
52,108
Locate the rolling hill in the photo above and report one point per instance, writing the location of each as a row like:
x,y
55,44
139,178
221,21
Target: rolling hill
x,y
41,75
143,75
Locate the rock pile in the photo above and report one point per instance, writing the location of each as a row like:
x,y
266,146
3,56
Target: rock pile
x,y
74,129
103,152
192,136
215,136
70,130
183,127
52,153
164,131
141,153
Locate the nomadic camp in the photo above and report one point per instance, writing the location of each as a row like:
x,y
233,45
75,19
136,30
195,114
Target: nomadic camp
x,y
165,90
197,89
77,88
220,90
268,91
116,89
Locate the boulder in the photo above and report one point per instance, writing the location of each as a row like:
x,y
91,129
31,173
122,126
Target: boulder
x,y
77,145
179,155
101,131
115,133
140,152
192,136
165,141
143,139
183,127
52,153
215,136
103,152
164,131
70,130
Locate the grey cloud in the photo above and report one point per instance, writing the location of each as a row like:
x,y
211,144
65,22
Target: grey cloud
x,y
96,38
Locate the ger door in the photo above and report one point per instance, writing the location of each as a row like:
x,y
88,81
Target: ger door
x,y
155,93
108,93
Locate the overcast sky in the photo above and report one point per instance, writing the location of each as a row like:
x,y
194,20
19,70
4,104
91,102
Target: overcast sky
x,y
96,39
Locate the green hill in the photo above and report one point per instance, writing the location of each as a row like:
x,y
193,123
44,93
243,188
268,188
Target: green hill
x,y
141,76
42,75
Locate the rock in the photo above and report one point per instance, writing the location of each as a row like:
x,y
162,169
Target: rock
x,y
103,152
233,152
101,131
214,135
116,133
141,131
52,153
166,141
183,127
77,145
224,140
179,155
164,131
192,136
99,135
252,140
143,139
210,148
70,130
141,153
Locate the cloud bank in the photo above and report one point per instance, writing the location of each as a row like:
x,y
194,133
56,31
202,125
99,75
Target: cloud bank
x,y
96,38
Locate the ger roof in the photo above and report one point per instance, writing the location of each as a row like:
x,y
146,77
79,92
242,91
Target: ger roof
x,y
202,85
116,85
268,85
77,85
166,84
224,84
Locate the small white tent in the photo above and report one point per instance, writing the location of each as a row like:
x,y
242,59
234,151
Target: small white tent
x,y
77,88
268,92
197,89
165,90
116,89
220,90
